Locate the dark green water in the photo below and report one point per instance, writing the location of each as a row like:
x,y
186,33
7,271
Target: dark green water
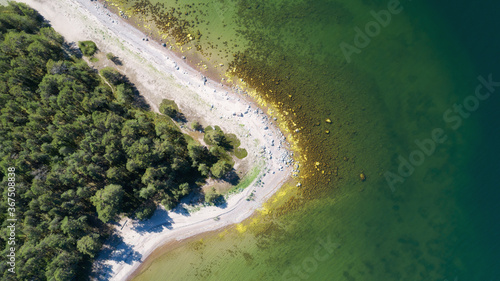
x,y
440,222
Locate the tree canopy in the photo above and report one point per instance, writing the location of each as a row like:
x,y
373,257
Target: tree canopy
x,y
220,169
107,201
169,108
88,48
82,152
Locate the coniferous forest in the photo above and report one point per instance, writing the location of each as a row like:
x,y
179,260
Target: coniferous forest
x,y
81,152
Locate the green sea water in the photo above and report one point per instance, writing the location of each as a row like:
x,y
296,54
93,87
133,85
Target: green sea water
x,y
440,222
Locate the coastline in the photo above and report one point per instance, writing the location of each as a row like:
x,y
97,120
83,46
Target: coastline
x,y
158,73
194,59
175,244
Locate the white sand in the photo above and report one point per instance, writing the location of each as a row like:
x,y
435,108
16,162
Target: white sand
x,y
153,69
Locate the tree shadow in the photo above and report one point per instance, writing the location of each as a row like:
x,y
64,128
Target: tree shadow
x,y
220,202
181,210
116,250
158,221
139,100
226,145
232,177
123,252
116,60
180,118
101,271
195,196
71,49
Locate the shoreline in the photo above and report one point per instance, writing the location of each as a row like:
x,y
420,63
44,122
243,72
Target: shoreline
x,y
175,244
210,72
158,73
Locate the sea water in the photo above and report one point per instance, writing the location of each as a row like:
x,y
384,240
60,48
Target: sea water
x,y
398,82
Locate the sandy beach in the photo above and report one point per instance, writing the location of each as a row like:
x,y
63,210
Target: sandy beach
x,y
158,73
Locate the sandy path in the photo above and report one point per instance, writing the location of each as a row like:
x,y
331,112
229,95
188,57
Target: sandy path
x,y
158,74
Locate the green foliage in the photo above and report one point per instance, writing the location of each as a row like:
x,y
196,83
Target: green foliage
x,y
71,226
113,58
94,59
168,203
83,153
107,201
196,126
240,153
169,108
214,136
211,196
246,181
218,151
199,154
124,93
204,169
145,211
89,244
232,140
63,267
88,48
164,124
223,144
147,192
18,16
184,188
220,168
112,76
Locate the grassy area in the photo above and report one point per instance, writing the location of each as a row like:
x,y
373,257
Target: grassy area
x,y
190,140
245,181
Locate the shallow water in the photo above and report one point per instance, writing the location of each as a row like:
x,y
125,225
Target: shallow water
x,y
440,222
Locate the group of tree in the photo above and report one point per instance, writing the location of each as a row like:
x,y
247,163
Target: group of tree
x,y
212,196
169,108
88,48
223,146
82,151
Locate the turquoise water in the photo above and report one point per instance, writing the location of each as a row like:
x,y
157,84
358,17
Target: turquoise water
x,y
440,222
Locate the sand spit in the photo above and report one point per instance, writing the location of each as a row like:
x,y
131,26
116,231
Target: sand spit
x,y
158,74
